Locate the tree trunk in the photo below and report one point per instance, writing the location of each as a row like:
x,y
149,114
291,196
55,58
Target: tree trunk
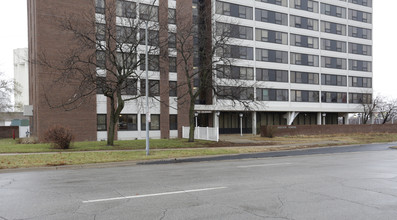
x,y
191,121
112,123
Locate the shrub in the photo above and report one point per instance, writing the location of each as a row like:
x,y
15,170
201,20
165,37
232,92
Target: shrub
x,y
28,140
60,137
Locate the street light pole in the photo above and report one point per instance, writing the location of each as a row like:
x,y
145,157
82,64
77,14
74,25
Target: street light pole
x,y
147,89
196,115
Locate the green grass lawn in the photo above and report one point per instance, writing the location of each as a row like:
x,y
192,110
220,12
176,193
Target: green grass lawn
x,y
75,158
11,146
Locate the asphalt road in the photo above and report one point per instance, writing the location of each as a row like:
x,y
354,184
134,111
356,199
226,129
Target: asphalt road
x,y
332,183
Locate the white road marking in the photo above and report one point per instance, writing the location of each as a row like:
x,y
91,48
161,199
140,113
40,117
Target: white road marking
x,y
156,194
264,165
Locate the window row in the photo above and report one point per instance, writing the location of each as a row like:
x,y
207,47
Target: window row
x,y
128,61
128,9
129,122
273,75
130,87
310,4
263,15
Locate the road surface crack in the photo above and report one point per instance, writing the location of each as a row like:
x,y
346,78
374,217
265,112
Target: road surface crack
x,y
164,213
7,183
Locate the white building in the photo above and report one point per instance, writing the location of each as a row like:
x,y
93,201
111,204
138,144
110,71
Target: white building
x,y
21,76
309,62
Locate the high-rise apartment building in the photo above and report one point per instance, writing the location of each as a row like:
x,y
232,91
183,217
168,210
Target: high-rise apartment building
x,y
301,61
21,76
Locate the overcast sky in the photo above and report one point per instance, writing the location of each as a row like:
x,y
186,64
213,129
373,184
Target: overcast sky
x,y
13,34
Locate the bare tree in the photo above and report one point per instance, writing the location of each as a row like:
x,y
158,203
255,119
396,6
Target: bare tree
x,y
206,57
103,57
370,107
7,89
387,109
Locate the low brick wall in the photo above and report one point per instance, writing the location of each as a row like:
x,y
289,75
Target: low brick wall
x,y
6,131
284,130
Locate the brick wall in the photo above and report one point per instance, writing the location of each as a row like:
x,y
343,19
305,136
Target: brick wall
x,y
282,130
6,131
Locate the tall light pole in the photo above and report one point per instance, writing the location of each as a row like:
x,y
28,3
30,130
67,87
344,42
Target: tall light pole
x,y
196,115
147,89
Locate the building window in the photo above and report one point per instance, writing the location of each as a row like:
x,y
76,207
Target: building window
x,y
235,93
153,38
271,17
148,12
360,98
333,80
303,22
333,28
101,59
271,94
360,16
154,87
360,49
100,6
128,123
334,97
271,36
304,77
234,51
154,123
101,122
271,56
333,62
304,41
234,31
271,75
126,60
304,59
304,96
129,87
360,32
235,72
173,89
333,10
171,40
333,45
100,85
172,66
234,10
173,122
171,16
153,62
126,9
307,5
125,35
362,2
360,65
364,82
275,2
100,32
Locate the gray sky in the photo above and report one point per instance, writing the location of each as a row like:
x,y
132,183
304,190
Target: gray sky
x,y
13,34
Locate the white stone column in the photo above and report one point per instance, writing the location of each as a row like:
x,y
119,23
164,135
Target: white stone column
x,y
319,118
346,118
216,119
253,123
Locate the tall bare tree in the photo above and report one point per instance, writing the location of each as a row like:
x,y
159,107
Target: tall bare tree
x,y
387,109
7,89
370,107
206,58
103,57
